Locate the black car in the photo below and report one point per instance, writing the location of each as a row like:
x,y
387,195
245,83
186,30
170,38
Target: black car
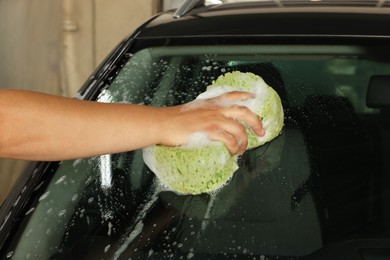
x,y
320,190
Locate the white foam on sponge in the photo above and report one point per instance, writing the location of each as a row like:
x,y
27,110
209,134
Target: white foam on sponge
x,y
203,165
198,140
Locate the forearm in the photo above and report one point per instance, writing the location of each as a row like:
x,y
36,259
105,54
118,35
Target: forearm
x,y
36,126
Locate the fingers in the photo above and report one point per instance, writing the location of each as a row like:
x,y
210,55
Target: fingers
x,y
246,116
240,112
230,130
231,133
234,96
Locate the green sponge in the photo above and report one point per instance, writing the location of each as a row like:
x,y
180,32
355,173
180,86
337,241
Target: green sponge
x,y
202,165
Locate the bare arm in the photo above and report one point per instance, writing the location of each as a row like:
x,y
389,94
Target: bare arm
x,y
36,126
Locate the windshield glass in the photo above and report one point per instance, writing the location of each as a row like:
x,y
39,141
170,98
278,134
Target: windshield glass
x,y
322,180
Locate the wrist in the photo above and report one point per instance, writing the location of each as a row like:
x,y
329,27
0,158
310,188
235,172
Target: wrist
x,y
167,128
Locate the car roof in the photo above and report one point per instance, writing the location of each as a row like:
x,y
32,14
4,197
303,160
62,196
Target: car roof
x,y
275,18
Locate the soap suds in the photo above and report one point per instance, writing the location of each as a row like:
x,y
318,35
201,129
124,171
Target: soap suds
x,y
202,165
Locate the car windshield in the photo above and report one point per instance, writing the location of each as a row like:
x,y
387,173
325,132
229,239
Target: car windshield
x,y
323,180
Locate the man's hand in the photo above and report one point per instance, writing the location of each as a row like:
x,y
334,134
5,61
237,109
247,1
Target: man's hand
x,y
215,118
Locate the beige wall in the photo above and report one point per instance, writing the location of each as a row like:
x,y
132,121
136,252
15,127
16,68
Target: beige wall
x,y
92,28
29,40
53,46
29,58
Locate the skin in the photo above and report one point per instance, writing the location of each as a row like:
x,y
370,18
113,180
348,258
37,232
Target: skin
x,y
37,126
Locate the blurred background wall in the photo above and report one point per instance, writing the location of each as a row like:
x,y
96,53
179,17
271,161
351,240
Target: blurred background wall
x,y
53,46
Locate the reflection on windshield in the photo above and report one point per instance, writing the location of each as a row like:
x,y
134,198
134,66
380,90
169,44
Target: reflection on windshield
x,y
162,221
105,171
304,190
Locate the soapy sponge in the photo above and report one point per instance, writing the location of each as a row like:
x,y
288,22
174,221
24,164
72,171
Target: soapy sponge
x,y
203,165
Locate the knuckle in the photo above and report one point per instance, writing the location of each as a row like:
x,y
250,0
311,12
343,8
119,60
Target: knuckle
x,y
241,128
232,144
242,109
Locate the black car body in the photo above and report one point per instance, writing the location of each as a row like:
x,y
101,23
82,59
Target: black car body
x,y
321,190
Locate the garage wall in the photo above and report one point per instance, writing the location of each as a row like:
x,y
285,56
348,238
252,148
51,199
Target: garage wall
x,y
92,28
30,37
52,46
171,4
